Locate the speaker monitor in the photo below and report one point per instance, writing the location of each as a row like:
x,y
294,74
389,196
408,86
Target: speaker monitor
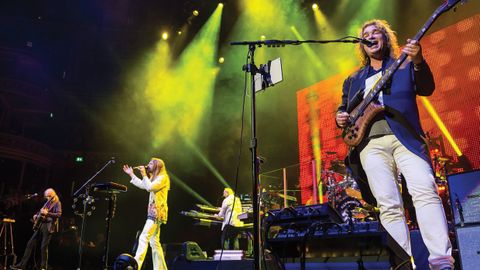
x,y
192,252
464,189
468,239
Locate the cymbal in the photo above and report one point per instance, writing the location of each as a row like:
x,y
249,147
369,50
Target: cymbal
x,y
280,195
288,197
360,210
360,213
370,207
353,193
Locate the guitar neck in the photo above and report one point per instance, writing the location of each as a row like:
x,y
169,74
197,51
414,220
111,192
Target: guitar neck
x,y
398,62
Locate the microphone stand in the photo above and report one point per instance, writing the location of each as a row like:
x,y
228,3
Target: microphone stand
x,y
281,43
253,70
86,199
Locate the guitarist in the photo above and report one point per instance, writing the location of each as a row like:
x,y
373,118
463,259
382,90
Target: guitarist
x,y
394,141
47,223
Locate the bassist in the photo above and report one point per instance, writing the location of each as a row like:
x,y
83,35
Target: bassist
x,y
45,224
393,141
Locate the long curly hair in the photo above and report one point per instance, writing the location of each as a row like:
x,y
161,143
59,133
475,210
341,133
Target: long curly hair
x,y
392,48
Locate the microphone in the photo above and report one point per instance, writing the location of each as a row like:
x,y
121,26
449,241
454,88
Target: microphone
x,y
112,160
140,167
367,42
29,196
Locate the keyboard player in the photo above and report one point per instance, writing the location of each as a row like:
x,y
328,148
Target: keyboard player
x,y
231,226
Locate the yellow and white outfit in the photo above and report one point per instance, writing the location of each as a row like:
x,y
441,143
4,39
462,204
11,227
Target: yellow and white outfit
x,y
157,215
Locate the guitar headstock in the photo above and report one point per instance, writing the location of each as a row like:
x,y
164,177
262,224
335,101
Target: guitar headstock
x,y
450,4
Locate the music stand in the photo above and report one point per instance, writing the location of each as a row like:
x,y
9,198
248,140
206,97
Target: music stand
x,y
111,191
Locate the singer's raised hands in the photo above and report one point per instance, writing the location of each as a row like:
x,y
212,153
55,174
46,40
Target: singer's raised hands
x,y
128,170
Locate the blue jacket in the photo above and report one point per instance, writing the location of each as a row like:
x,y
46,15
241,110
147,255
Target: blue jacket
x,y
401,111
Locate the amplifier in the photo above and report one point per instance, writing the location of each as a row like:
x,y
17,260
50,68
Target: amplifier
x,y
464,189
469,246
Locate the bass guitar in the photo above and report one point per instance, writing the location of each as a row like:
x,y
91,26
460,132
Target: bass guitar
x,y
360,117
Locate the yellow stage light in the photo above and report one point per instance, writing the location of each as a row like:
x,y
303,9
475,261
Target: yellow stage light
x,y
315,6
164,35
221,60
195,13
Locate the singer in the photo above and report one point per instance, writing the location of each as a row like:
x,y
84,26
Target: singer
x,y
154,180
394,141
45,224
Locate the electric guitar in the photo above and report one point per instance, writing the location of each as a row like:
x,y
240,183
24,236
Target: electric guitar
x,y
360,117
39,217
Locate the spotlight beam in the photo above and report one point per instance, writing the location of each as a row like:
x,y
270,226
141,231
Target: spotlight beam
x,y
207,163
433,113
188,189
312,56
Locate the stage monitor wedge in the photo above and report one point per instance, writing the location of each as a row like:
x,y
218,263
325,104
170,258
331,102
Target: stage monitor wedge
x,y
464,189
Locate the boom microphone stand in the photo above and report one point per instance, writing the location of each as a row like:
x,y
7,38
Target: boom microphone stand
x,y
253,70
86,198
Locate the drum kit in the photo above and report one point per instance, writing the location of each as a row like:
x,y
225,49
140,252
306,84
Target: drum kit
x,y
343,193
339,188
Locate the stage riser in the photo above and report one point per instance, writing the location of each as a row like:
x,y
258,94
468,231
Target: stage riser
x,y
338,266
420,253
212,265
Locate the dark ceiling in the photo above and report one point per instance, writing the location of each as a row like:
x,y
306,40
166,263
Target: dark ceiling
x,y
73,55
70,56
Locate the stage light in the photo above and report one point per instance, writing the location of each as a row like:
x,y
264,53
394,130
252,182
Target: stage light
x,y
179,33
220,5
263,37
164,35
221,60
315,6
195,13
168,89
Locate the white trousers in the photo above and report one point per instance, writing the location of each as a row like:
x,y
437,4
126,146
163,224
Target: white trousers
x,y
151,235
381,159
